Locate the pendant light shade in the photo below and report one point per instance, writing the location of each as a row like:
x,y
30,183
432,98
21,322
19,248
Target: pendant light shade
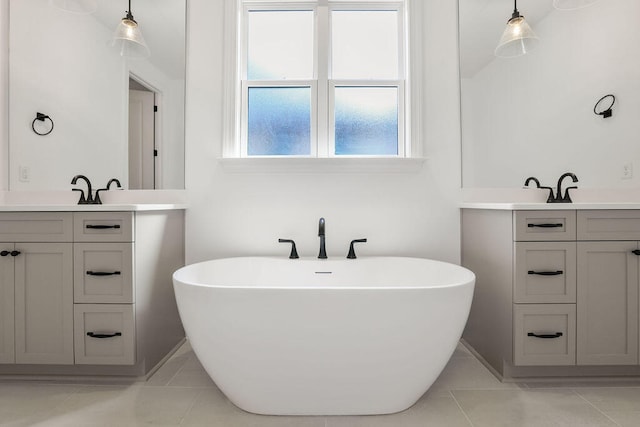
x,y
518,38
81,7
128,38
572,4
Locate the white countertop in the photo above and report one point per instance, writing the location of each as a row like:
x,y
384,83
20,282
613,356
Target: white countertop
x,y
517,206
89,208
67,201
535,199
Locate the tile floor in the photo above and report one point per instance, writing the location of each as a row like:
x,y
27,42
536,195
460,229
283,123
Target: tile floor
x,y
181,393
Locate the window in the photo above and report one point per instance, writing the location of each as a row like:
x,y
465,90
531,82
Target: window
x,y
322,79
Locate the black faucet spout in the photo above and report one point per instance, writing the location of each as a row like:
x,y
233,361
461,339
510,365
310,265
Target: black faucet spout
x,y
323,251
566,198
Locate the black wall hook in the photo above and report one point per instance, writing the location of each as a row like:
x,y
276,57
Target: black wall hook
x,y
41,117
606,112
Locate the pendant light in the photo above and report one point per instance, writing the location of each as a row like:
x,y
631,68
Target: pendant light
x,y
128,38
80,7
518,38
572,4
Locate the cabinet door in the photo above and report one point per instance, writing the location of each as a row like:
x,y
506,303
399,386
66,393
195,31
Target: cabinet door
x,y
44,303
607,303
6,306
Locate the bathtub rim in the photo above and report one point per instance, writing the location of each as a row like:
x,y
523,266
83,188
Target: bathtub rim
x,y
469,280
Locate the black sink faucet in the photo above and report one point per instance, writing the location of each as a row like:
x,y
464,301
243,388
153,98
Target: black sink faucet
x,y
566,198
323,251
107,188
89,200
534,179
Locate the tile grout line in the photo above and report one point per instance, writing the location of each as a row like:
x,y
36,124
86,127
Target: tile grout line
x,y
188,411
460,407
178,371
594,407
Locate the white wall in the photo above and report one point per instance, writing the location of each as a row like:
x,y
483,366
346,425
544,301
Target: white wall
x,y
244,213
533,115
61,65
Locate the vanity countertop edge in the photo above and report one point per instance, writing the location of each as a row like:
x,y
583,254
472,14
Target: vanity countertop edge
x,y
134,207
526,206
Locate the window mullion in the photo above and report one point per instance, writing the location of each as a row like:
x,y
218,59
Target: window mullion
x,y
322,76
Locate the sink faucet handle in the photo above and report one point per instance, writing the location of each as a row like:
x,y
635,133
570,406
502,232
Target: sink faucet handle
x,y
534,179
294,252
82,200
352,253
567,196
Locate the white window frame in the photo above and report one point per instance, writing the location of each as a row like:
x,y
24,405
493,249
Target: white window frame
x,y
322,87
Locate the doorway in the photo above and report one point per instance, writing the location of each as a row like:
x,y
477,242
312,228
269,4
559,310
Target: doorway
x,y
143,151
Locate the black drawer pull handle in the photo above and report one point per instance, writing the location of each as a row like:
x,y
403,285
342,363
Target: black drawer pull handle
x,y
102,227
103,273
635,252
12,253
4,253
94,335
546,273
556,225
556,335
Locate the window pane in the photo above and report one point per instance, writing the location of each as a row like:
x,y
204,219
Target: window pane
x,y
280,45
364,44
279,121
366,120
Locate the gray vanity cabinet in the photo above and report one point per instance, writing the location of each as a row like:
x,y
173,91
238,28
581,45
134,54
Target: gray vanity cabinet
x,y
608,284
557,291
89,292
36,267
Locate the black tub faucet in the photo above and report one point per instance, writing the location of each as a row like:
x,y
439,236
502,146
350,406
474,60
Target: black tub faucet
x,y
566,198
294,252
323,251
89,200
352,252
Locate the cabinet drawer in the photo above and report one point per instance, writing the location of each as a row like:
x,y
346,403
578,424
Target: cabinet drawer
x,y
103,273
609,225
103,226
544,334
36,227
545,272
104,334
544,225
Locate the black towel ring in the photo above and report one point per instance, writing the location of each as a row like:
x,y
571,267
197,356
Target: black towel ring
x,y
41,117
606,112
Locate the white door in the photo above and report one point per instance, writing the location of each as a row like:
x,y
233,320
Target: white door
x,y
141,140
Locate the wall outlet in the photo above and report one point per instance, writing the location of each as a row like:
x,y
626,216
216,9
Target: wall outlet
x,y
24,174
627,170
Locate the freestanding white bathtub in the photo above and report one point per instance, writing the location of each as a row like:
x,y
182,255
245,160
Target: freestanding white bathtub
x,y
323,337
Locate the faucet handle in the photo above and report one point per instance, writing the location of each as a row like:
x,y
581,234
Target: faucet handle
x,y
294,252
352,253
83,200
567,196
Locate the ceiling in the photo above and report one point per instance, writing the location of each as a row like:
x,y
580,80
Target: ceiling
x,y
482,23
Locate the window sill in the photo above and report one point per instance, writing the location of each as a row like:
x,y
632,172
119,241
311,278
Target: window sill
x,y
322,165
